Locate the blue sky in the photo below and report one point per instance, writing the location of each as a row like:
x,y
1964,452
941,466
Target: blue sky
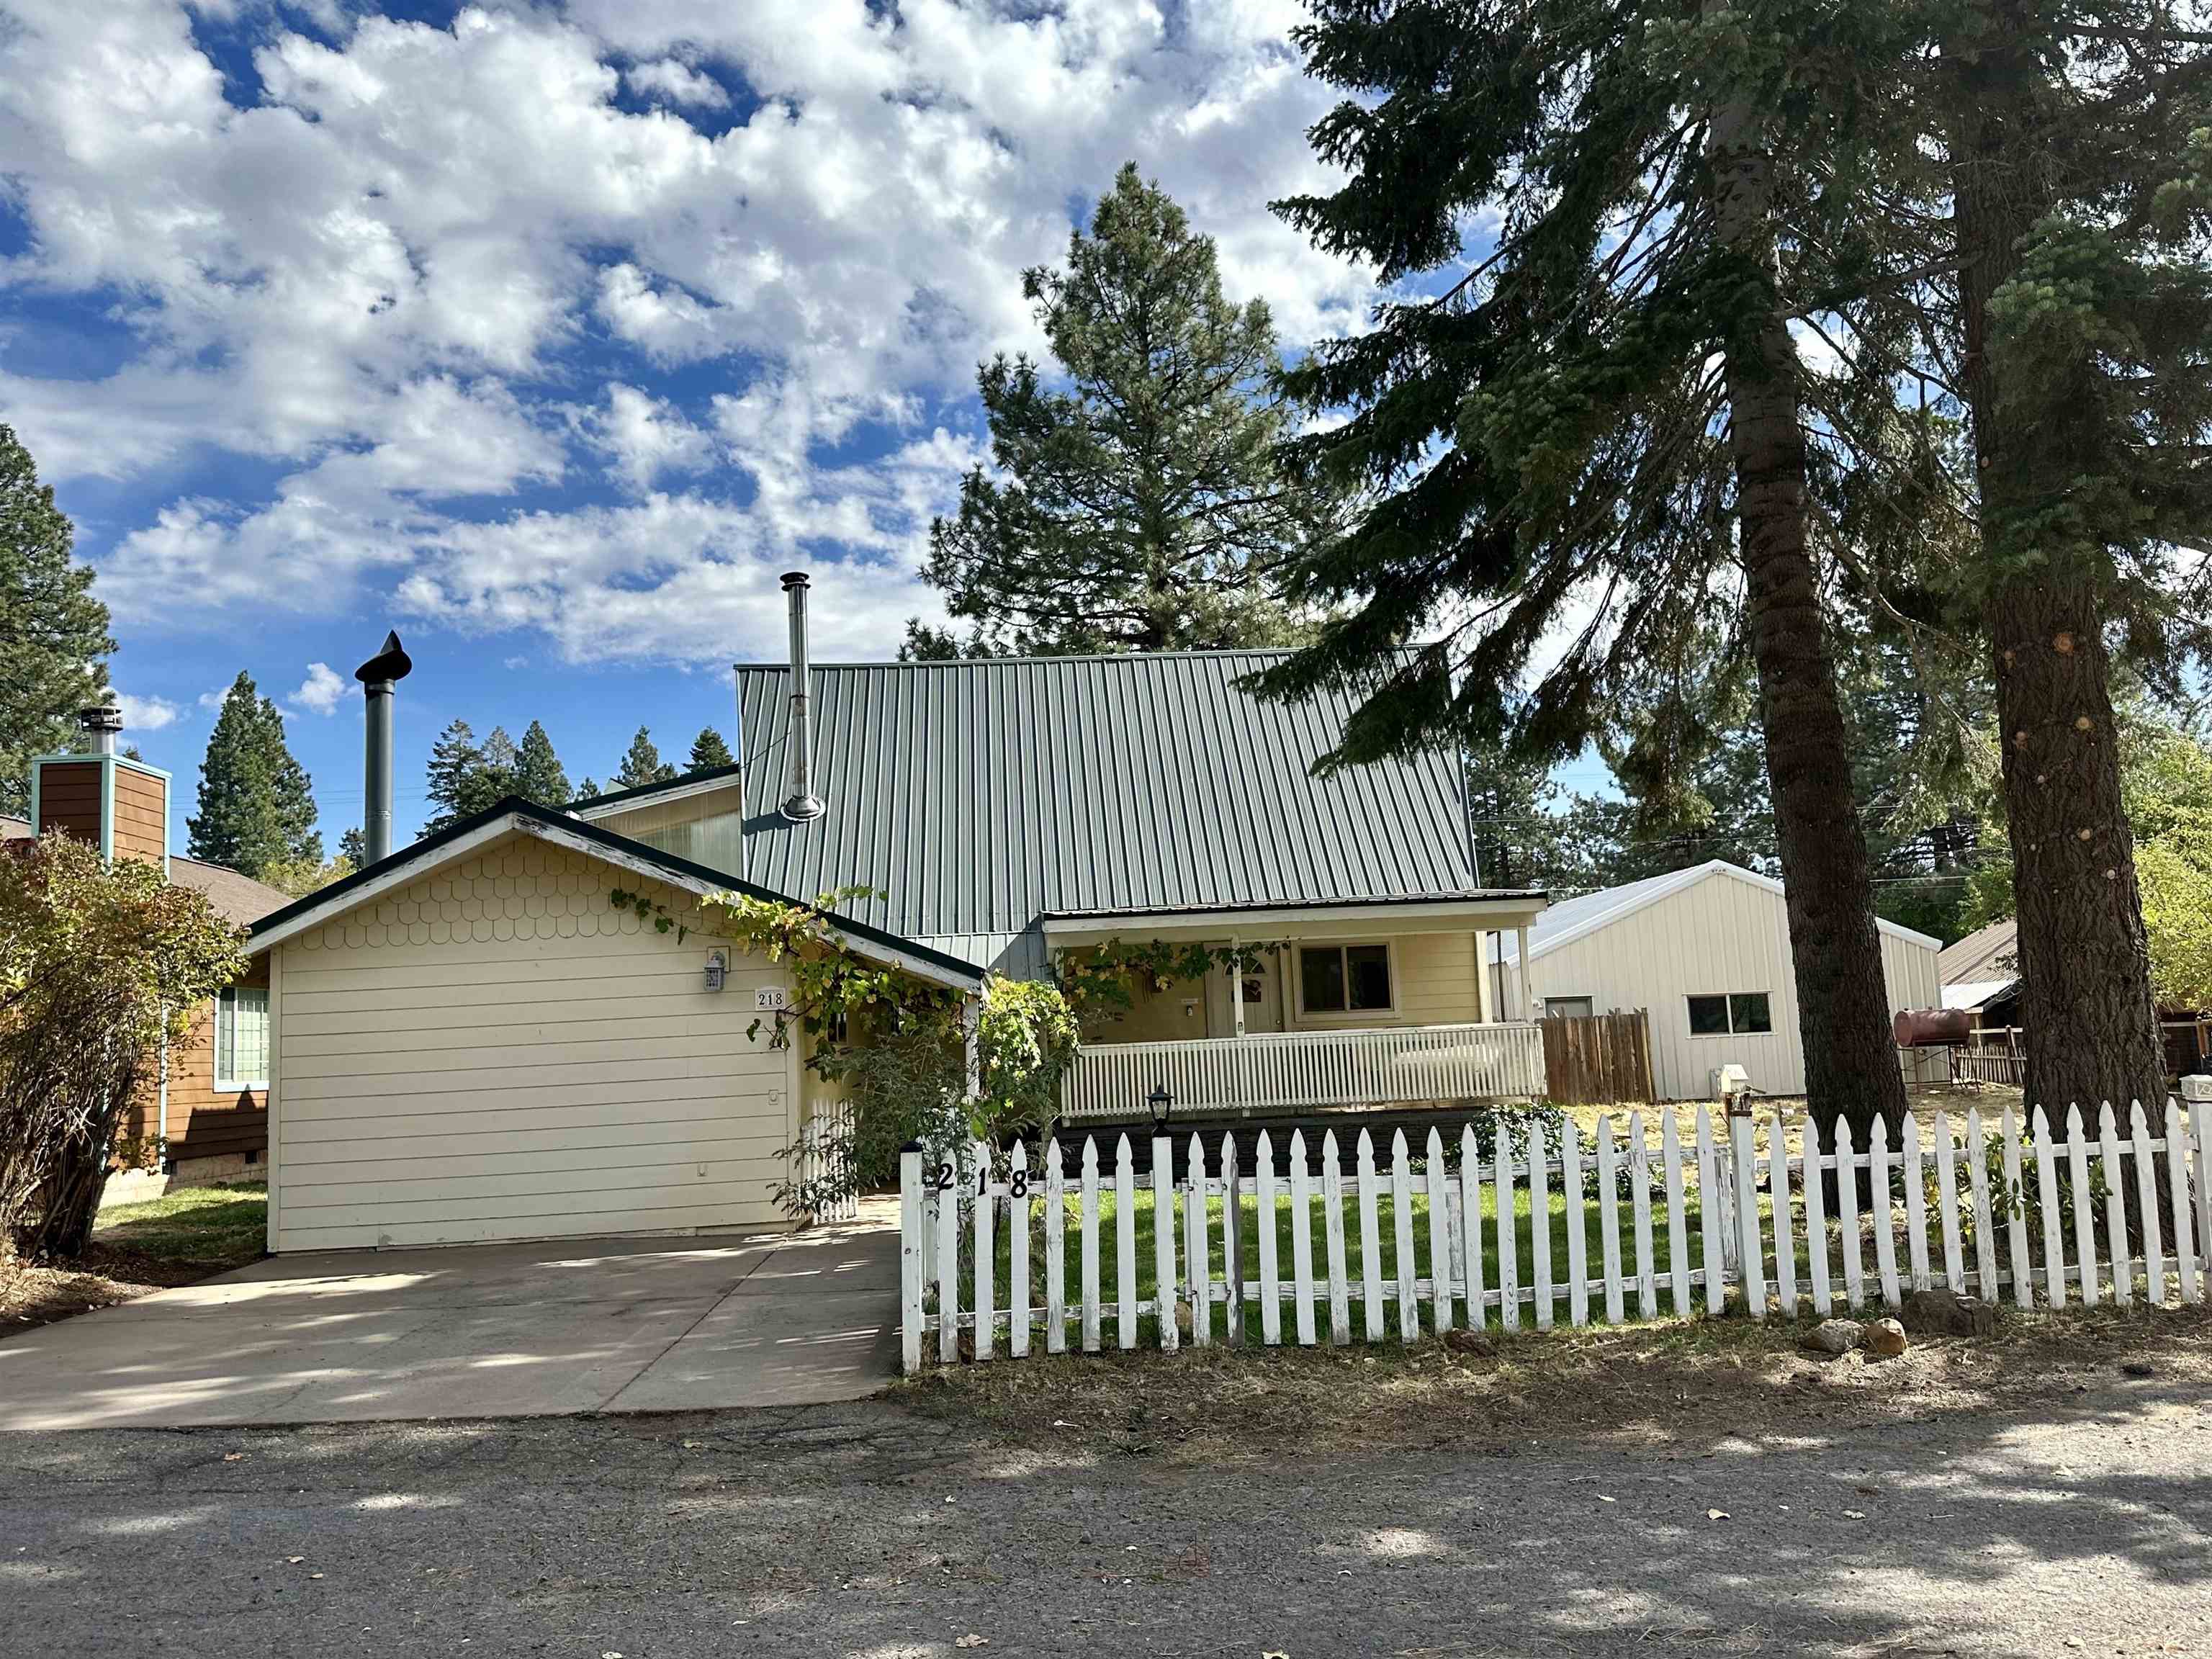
x,y
551,334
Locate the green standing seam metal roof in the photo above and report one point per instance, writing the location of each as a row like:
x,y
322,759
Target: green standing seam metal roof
x,y
981,796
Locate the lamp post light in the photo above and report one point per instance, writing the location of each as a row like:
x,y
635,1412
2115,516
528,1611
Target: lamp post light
x,y
1162,1103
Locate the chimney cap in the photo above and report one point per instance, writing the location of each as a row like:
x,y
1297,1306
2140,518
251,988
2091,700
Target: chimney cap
x,y
392,663
796,578
99,717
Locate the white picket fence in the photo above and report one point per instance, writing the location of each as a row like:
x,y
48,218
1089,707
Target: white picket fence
x,y
1779,1253
825,1146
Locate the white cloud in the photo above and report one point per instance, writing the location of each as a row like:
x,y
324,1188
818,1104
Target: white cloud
x,y
322,691
677,81
644,436
146,714
386,274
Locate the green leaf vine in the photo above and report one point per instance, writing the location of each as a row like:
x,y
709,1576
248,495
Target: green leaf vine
x,y
1108,974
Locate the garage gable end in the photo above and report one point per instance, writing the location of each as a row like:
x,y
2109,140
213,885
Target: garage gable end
x,y
492,1049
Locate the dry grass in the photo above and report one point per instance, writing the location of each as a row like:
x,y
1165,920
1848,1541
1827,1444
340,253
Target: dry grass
x,y
1952,1099
1629,1386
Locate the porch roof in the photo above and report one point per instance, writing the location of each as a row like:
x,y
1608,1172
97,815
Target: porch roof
x,y
1478,908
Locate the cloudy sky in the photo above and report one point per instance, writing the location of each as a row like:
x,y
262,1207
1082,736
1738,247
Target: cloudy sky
x,y
550,334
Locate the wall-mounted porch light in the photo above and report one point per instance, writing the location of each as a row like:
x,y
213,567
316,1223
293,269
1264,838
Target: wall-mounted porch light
x,y
718,969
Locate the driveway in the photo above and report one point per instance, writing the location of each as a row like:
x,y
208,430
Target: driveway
x,y
481,1331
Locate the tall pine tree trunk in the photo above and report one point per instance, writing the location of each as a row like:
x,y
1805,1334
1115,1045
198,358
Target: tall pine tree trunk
x,y
1842,1004
2091,1030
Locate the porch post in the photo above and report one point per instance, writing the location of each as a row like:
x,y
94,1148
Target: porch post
x,y
1521,970
1236,986
971,1022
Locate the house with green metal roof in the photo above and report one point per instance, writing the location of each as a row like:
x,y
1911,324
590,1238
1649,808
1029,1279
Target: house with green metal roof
x,y
1004,811
538,1022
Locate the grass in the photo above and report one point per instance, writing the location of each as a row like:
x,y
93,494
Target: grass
x,y
174,1239
1558,1220
221,1225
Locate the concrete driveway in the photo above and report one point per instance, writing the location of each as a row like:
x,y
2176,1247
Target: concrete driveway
x,y
493,1330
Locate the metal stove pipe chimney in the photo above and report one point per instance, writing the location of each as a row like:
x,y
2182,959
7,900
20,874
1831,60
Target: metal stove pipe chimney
x,y
801,804
378,676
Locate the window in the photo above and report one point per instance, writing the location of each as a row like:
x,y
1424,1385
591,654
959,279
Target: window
x,y
1740,1013
1568,1008
241,1037
1343,979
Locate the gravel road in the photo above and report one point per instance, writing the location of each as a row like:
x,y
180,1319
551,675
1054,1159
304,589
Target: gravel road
x,y
873,1530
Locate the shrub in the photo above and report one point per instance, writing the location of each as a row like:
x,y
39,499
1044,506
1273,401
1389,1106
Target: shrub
x,y
97,964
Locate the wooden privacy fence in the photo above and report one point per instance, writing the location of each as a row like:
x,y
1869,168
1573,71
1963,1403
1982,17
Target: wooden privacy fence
x,y
1597,1059
1610,1230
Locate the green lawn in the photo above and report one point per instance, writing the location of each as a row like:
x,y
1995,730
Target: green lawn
x,y
216,1225
1559,1221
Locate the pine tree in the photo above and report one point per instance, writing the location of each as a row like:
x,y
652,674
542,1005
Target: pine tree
x,y
2084,306
537,772
1609,409
642,764
1142,509
708,749
587,790
353,847
456,762
256,805
53,634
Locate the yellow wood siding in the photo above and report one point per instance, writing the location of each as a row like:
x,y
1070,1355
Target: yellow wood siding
x,y
497,1052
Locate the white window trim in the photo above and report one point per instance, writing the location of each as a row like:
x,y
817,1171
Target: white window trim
x,y
1340,1015
226,1084
1731,1035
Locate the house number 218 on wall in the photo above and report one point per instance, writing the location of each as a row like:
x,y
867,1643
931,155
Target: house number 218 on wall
x,y
771,998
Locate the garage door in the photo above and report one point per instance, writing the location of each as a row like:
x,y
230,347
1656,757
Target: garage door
x,y
497,1052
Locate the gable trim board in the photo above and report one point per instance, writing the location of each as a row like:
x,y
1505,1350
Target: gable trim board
x,y
654,795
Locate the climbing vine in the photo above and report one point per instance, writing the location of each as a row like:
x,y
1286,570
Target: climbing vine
x,y
647,909
1108,974
834,988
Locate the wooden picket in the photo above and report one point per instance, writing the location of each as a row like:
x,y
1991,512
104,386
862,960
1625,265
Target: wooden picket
x,y
1741,1210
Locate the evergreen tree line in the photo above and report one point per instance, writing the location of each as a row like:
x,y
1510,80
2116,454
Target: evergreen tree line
x,y
466,776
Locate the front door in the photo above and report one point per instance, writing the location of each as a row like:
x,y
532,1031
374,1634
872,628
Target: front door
x,y
1262,991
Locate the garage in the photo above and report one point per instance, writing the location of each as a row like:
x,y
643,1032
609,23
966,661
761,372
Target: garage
x,y
478,1044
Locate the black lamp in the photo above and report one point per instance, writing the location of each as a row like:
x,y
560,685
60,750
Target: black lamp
x,y
1161,1104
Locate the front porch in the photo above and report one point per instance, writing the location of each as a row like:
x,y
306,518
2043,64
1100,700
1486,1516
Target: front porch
x,y
1394,1066
1365,1003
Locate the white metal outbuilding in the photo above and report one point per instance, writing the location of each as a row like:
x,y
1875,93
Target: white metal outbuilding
x,y
1706,952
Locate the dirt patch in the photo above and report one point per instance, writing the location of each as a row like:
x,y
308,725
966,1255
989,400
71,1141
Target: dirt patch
x,y
1640,1385
38,1296
176,1239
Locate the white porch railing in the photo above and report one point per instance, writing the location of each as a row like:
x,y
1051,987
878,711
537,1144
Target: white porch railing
x,y
1394,1066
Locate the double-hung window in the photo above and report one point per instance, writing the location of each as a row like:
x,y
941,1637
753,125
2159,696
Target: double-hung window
x,y
1343,979
1738,1014
241,1037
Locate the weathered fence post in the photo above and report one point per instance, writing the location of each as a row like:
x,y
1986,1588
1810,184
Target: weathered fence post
x,y
910,1257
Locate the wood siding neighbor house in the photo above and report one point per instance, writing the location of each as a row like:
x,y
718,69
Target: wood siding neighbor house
x,y
472,1043
1706,952
200,1119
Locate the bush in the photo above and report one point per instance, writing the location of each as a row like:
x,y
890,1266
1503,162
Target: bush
x,y
97,964
906,1079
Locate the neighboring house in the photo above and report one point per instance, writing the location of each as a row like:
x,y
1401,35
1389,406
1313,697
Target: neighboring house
x,y
471,1042
1980,974
204,1119
1705,952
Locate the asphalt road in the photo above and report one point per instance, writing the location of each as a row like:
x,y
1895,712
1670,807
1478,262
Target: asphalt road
x,y
865,1531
